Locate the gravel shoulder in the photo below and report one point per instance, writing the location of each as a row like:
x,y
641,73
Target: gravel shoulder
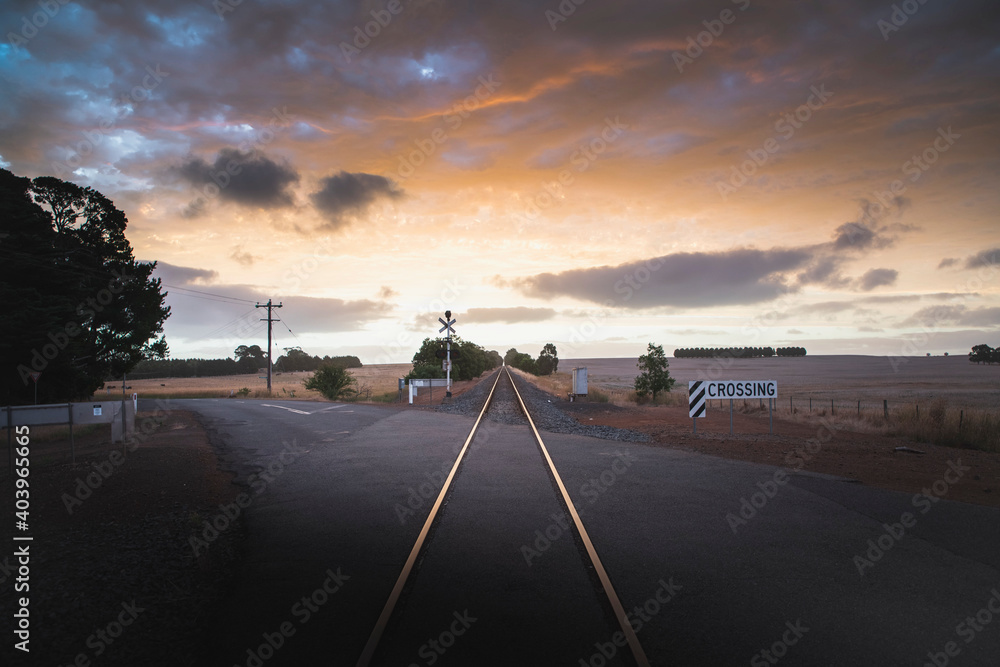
x,y
544,407
869,458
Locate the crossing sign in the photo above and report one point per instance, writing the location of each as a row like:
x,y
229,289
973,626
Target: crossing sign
x,y
447,326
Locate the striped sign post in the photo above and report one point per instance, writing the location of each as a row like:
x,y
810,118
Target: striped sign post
x,y
699,391
696,401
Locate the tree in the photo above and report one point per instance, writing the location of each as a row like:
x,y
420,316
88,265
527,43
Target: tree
x,y
654,375
548,360
331,380
468,359
81,309
983,354
253,352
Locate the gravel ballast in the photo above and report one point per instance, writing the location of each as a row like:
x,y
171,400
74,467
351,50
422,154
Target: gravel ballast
x,y
544,408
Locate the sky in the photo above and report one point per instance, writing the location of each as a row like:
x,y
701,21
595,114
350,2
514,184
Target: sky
x,y
596,174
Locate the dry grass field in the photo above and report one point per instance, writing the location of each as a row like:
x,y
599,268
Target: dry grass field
x,y
372,382
845,379
946,400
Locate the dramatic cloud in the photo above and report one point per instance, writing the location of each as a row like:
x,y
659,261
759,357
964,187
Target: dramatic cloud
x,y
495,122
953,315
249,180
309,314
690,280
345,193
876,278
507,315
984,258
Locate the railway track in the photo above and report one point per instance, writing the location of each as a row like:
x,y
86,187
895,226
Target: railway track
x,y
503,405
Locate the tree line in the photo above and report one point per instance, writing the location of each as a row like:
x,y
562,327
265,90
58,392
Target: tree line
x,y
547,362
468,360
248,359
984,354
737,352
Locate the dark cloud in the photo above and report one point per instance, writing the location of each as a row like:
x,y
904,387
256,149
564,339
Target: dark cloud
x,y
876,278
247,179
953,315
347,193
948,261
984,258
183,275
243,256
507,315
689,280
308,314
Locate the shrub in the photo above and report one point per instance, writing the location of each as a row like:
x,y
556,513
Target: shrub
x,y
331,380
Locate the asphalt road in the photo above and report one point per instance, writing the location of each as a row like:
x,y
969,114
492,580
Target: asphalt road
x,y
819,572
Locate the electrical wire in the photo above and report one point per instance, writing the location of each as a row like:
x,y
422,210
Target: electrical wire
x,y
231,299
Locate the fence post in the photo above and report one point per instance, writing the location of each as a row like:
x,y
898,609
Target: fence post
x,y
72,442
918,411
859,408
885,408
10,441
810,404
961,413
831,407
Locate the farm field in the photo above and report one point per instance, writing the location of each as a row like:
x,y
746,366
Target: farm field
x,y
376,380
844,378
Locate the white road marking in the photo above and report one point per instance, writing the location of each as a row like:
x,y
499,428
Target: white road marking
x,y
302,412
298,412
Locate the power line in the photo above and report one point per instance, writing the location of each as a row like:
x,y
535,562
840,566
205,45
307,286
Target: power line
x,y
218,296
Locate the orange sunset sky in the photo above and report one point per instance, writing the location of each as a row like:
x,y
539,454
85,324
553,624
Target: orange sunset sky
x,y
595,174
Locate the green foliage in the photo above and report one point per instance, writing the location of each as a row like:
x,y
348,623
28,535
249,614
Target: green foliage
x,y
247,362
252,353
80,307
984,354
546,364
654,376
245,391
331,380
791,351
548,360
470,362
520,360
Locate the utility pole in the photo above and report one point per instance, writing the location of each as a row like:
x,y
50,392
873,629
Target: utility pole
x,y
269,320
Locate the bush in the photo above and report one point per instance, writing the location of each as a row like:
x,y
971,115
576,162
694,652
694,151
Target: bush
x,y
654,376
331,380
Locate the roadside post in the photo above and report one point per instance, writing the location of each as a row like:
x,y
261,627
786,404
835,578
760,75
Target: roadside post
x,y
447,322
700,391
696,401
34,377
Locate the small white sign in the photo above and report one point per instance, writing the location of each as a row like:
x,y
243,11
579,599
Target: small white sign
x,y
97,411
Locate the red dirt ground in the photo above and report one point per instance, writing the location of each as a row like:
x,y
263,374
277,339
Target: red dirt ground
x,y
869,458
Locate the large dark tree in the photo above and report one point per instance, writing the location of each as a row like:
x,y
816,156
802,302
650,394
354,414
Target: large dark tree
x,y
468,359
548,360
80,308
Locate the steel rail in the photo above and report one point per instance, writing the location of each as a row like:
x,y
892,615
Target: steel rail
x,y
609,590
383,619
